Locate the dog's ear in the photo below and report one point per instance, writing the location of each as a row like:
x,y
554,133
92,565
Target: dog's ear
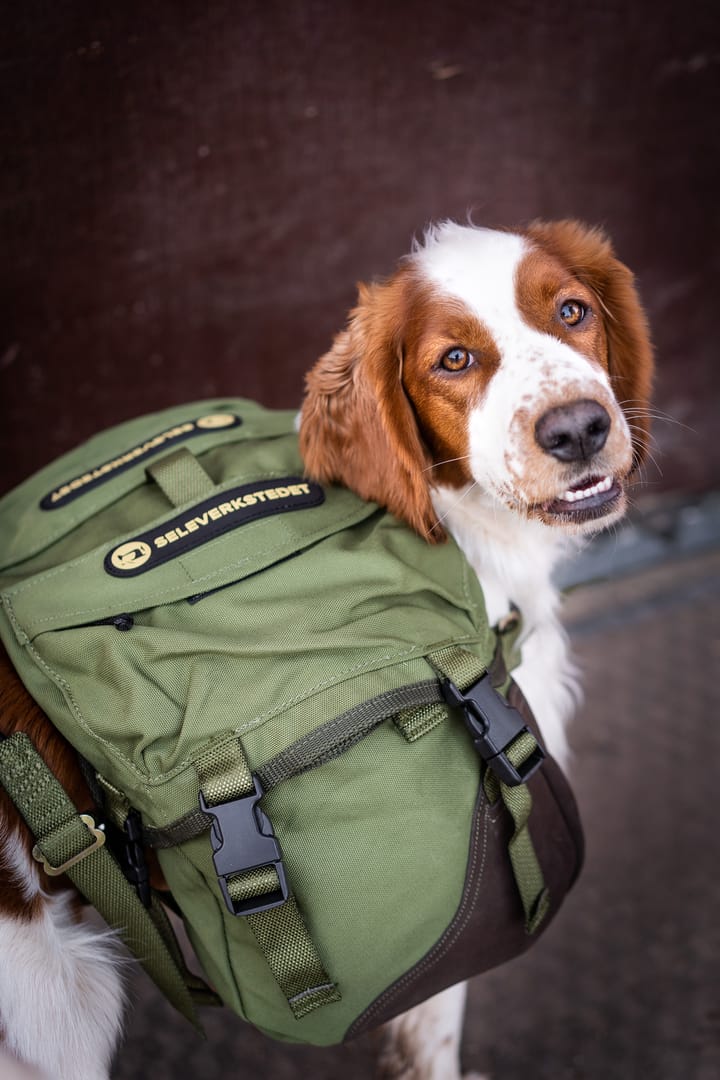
x,y
589,255
357,426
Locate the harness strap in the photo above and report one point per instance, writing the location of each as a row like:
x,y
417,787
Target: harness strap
x,y
242,834
71,843
416,721
463,669
527,871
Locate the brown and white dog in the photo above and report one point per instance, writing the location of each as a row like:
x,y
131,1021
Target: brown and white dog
x,y
494,388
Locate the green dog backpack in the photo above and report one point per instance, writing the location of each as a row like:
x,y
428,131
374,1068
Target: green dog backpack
x,y
297,704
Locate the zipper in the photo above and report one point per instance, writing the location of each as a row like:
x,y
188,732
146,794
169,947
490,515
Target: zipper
x,y
122,622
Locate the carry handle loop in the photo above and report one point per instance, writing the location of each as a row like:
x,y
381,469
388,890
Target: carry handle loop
x,y
181,477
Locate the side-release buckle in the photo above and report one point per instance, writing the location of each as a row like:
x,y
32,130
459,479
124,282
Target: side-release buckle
x,y
242,839
494,726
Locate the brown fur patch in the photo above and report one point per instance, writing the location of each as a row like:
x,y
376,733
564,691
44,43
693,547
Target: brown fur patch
x,y
587,255
383,418
543,285
380,415
19,712
358,425
442,400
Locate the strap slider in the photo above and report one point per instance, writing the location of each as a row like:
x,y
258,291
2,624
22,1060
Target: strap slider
x,y
494,726
96,831
242,839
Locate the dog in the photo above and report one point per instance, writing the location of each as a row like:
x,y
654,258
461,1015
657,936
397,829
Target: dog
x,y
494,388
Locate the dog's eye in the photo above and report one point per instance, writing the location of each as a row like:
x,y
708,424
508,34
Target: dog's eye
x,y
572,312
456,359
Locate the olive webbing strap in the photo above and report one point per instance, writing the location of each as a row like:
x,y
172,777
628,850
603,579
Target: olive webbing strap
x,y
418,720
181,477
280,931
464,669
70,843
527,871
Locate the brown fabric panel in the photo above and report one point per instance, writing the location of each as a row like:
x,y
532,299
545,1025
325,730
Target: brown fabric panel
x,y
488,927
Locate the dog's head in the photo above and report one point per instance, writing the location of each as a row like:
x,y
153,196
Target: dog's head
x,y
519,362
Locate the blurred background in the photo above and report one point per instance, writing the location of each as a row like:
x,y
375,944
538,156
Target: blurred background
x,y
189,194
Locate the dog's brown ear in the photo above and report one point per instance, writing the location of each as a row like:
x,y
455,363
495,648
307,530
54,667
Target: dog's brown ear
x,y
589,255
357,426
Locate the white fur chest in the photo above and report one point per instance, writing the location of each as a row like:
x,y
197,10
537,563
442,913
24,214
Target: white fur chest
x,y
513,559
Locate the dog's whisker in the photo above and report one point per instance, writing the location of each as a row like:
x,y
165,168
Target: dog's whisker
x,y
659,417
648,451
444,516
636,409
448,461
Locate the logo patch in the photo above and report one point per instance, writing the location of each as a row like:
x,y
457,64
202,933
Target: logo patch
x,y
91,479
130,556
208,519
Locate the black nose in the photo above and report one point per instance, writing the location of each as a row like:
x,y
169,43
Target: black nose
x,y
573,432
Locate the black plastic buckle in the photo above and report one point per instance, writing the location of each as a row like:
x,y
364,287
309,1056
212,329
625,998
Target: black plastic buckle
x,y
135,866
494,726
126,844
242,838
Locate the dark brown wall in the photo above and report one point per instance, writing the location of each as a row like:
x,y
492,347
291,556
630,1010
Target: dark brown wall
x,y
190,191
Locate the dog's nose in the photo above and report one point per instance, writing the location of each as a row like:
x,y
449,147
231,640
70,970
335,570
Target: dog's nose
x,y
573,432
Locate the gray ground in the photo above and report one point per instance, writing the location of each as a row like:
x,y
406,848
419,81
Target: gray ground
x,y
624,985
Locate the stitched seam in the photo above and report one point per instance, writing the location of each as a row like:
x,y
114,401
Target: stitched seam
x,y
450,936
78,563
157,781
382,701
262,717
181,766
151,597
75,709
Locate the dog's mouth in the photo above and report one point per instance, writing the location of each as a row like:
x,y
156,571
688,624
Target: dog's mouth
x,y
588,500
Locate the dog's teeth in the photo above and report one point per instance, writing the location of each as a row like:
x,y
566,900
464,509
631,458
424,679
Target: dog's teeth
x,y
595,489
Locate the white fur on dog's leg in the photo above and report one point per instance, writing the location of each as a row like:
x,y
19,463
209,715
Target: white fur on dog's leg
x,y
424,1043
61,995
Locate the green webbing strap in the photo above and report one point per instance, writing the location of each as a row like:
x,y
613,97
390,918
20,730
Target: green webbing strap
x,y
457,664
280,931
293,960
526,868
71,843
417,721
464,669
117,808
181,477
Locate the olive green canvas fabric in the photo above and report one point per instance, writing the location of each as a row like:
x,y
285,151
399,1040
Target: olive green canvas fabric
x,y
177,583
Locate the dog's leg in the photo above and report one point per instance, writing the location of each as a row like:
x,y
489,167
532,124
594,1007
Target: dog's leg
x,y
61,995
424,1043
